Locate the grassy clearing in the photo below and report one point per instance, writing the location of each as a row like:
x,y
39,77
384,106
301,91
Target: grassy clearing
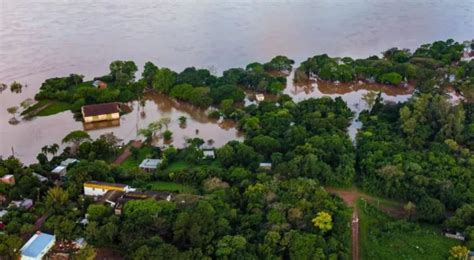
x,y
46,108
382,237
54,108
131,162
177,165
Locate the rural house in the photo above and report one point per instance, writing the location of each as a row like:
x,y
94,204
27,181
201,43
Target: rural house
x,y
38,246
99,84
149,165
101,112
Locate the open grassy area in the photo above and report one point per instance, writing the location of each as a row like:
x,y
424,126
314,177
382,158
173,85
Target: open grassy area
x,y
46,108
382,237
177,165
143,153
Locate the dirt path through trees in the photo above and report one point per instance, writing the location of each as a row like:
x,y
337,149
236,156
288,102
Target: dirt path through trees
x,y
126,153
350,197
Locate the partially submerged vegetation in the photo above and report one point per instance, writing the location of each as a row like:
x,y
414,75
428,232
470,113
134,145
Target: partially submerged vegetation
x,y
429,67
264,197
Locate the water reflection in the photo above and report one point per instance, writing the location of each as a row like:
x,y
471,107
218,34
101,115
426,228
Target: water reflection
x,y
351,93
101,125
44,39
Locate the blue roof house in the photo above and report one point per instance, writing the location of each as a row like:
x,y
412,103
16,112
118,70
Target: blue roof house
x,y
37,247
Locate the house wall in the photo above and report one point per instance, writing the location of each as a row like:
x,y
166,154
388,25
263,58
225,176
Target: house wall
x,y
104,117
99,190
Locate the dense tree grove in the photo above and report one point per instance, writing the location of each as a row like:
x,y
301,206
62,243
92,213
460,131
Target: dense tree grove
x,y
264,197
419,151
429,66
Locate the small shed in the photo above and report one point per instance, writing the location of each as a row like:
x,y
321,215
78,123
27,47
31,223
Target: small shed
x,y
68,162
99,84
38,246
259,97
41,178
149,165
265,165
3,212
209,154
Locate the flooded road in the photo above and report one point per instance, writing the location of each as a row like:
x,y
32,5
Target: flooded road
x,y
45,38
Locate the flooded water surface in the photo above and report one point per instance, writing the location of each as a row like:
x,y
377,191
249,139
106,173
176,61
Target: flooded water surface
x,y
43,39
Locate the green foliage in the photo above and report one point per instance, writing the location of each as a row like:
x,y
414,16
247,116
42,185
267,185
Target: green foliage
x,y
384,238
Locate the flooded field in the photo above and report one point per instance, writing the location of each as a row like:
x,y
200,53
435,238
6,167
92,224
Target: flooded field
x,y
46,38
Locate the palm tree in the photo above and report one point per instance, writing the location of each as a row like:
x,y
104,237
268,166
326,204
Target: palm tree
x,y
147,133
53,149
56,197
45,150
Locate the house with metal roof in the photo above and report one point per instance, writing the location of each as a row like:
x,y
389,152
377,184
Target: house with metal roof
x,y
149,164
41,178
97,188
265,165
101,112
59,170
69,161
38,246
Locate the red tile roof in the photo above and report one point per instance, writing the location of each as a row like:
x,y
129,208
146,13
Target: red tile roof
x,y
101,109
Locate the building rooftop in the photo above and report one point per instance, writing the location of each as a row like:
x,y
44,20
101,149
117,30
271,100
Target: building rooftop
x,y
69,161
37,243
92,183
111,196
3,212
101,109
58,169
208,153
41,178
150,163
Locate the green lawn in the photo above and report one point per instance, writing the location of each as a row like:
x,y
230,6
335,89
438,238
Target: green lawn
x,y
177,165
54,108
382,237
46,108
131,162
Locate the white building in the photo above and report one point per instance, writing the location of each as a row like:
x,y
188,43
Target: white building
x,y
60,170
97,188
209,154
68,162
260,97
38,246
150,164
265,165
41,178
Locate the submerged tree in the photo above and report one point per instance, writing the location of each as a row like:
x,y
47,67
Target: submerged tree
x,y
76,138
16,87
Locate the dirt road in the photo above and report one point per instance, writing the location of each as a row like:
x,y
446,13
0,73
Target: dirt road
x,y
350,197
126,153
355,234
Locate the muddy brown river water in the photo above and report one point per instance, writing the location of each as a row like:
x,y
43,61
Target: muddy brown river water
x,y
45,38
